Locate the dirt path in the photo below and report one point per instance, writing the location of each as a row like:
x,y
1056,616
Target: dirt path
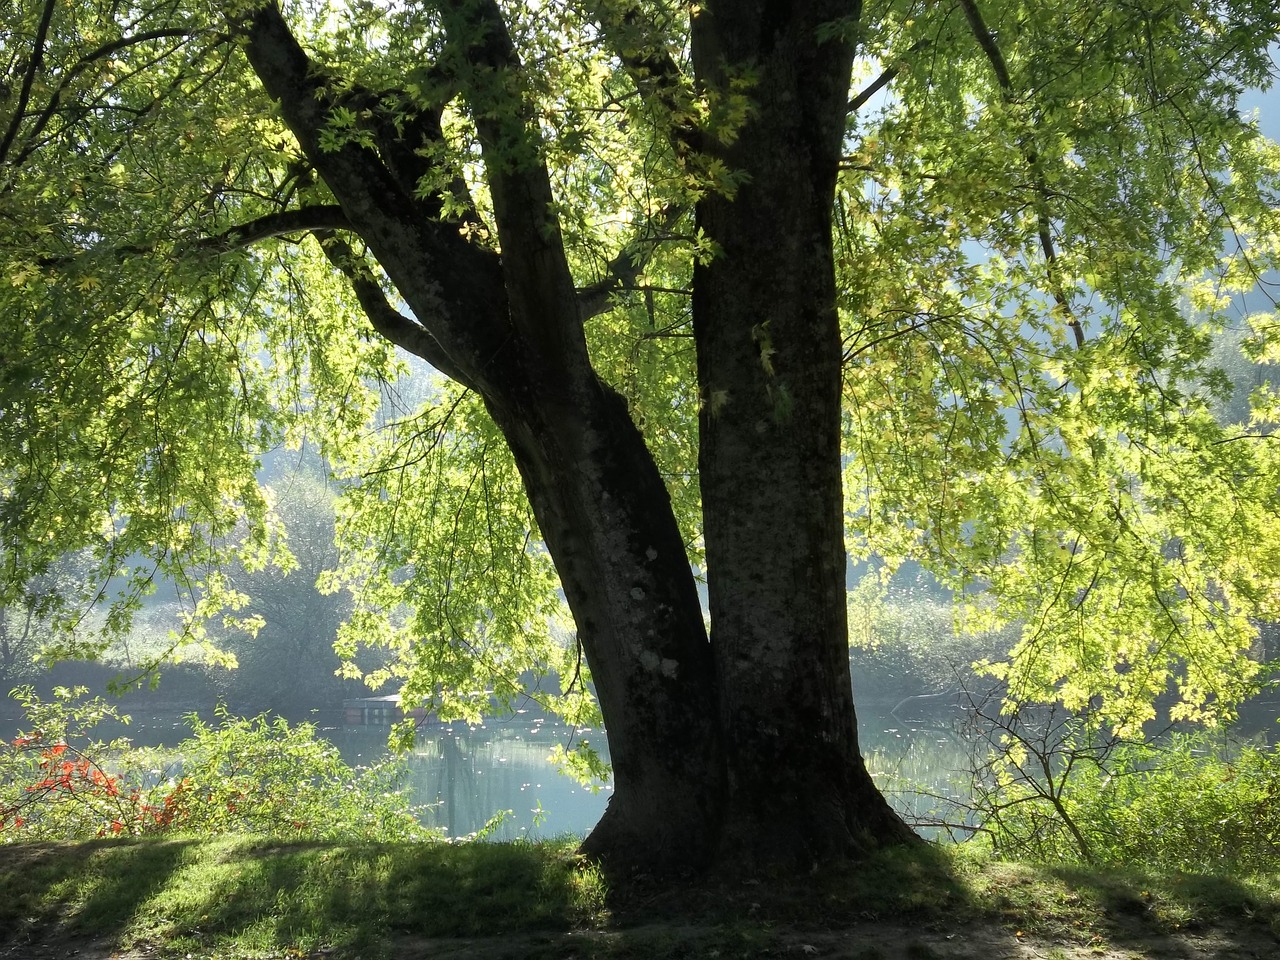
x,y
875,940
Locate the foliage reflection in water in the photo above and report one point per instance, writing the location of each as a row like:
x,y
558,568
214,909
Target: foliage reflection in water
x,y
924,770
465,777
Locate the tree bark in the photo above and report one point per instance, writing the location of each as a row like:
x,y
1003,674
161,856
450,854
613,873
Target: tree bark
x,y
769,370
601,505
606,518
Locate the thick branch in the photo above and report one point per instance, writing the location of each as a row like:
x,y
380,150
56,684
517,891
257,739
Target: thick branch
x,y
386,319
278,224
987,41
542,298
443,276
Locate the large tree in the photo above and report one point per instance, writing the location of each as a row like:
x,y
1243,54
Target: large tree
x,y
715,289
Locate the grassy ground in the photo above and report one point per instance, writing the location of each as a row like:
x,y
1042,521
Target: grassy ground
x,y
243,900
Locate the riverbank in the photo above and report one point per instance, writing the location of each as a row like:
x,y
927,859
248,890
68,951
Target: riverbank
x,y
243,900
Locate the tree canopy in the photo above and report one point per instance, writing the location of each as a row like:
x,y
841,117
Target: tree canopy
x,y
682,275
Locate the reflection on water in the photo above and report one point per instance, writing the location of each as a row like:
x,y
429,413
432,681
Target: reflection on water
x,y
464,776
468,775
923,770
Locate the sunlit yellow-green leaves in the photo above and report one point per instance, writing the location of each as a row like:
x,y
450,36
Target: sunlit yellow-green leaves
x,y
441,554
1036,251
1084,490
146,368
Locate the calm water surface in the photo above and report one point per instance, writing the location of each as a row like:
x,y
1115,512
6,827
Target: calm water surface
x,y
462,778
466,776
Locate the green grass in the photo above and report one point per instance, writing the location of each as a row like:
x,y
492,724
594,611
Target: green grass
x,y
237,899
241,898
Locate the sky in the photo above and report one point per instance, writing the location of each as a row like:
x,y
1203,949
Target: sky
x,y
1266,103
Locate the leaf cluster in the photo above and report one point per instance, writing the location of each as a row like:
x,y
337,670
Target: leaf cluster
x,y
1042,219
1041,226
256,776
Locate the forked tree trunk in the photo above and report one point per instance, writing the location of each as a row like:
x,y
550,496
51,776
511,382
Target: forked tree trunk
x,y
750,753
769,369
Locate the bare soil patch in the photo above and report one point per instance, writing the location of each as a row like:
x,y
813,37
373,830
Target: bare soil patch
x,y
870,940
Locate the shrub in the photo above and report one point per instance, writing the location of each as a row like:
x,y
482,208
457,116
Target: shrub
x,y
1192,804
1189,802
252,776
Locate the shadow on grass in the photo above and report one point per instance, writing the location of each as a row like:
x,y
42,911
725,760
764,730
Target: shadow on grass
x,y
1130,902
259,896
916,883
54,891
242,898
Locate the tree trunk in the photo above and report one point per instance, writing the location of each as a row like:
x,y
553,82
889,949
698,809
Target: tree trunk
x,y
769,369
606,518
761,737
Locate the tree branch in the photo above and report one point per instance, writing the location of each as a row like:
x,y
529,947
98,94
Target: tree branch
x,y
621,272
535,268
987,41
882,81
106,50
653,70
278,224
389,322
28,81
281,223
443,276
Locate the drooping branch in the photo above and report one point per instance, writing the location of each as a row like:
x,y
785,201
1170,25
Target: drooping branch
x,y
280,223
621,272
403,331
987,41
100,53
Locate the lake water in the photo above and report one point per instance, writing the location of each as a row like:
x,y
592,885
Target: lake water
x,y
469,775
463,777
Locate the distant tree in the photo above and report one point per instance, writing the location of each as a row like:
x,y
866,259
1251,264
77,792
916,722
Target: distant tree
x,y
19,642
289,661
36,618
1234,358
681,266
